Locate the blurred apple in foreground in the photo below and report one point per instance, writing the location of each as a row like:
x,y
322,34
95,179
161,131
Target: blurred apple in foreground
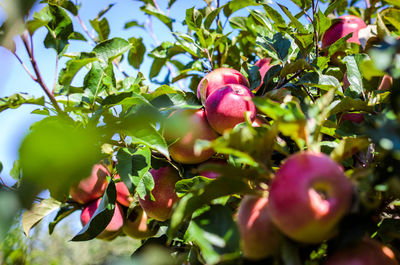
x,y
113,228
308,197
258,235
211,174
187,126
91,187
136,225
164,194
226,107
365,252
217,78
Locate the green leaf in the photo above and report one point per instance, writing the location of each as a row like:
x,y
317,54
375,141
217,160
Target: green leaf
x,y
101,217
132,166
151,10
294,67
63,212
136,53
66,4
108,50
104,11
60,28
348,104
9,207
102,27
353,74
296,23
235,5
16,100
393,2
133,23
193,18
211,17
348,147
231,181
73,66
216,234
57,147
184,186
275,16
31,217
98,79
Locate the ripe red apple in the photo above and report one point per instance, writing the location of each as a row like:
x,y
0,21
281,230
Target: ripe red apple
x,y
187,126
91,187
164,194
365,252
259,238
124,197
386,83
217,78
345,25
226,107
113,228
136,225
212,174
264,66
308,197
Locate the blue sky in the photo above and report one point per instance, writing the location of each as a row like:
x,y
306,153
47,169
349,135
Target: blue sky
x,y
14,124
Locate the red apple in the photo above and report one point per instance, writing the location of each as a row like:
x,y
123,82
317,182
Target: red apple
x,y
345,25
354,117
187,126
113,228
212,174
308,197
264,66
136,225
217,78
226,107
164,194
124,197
259,238
92,187
365,252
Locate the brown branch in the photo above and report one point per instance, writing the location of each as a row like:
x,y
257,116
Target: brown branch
x,y
39,78
288,80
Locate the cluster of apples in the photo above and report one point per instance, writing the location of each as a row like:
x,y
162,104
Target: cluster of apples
x,y
341,27
307,199
227,98
90,190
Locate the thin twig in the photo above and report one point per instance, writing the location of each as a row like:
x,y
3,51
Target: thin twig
x,y
315,15
288,80
85,29
308,93
39,78
25,67
55,76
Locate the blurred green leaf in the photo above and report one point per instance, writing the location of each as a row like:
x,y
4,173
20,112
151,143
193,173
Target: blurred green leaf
x,y
57,147
349,146
9,207
133,23
274,16
32,216
216,234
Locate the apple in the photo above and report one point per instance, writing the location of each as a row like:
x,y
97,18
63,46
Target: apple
x,y
308,197
212,174
365,252
164,194
91,187
187,126
113,228
264,66
259,237
226,107
217,78
345,25
124,197
386,83
353,117
136,225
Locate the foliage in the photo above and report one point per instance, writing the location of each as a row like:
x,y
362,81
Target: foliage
x,y
120,121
